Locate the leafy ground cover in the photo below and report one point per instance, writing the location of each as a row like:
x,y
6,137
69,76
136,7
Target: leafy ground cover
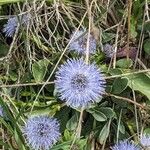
x,y
74,75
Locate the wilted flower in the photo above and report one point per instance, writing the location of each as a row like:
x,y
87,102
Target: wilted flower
x,y
79,84
108,50
125,145
79,42
41,132
12,23
145,140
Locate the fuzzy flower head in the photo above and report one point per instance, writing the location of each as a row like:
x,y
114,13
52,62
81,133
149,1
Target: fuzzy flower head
x,y
79,84
79,42
41,132
125,145
12,23
108,50
145,140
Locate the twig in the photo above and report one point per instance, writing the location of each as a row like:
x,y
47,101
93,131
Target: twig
x,y
24,84
128,100
127,74
129,24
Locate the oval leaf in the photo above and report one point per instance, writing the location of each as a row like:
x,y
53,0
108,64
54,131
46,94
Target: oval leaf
x,y
147,46
99,116
39,69
104,133
140,82
119,85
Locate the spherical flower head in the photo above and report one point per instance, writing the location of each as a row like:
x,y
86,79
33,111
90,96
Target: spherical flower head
x,y
41,132
79,42
12,23
79,84
125,145
108,50
145,140
10,27
26,18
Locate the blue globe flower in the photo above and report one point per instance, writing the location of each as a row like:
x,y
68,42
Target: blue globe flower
x,y
125,145
12,23
145,140
79,84
79,42
108,50
41,132
10,27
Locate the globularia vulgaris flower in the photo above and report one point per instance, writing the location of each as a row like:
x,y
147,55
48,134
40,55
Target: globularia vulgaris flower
x,y
125,145
79,84
12,23
145,140
79,42
108,50
41,132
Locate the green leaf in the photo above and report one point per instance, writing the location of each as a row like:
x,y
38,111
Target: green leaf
x,y
98,115
124,63
104,133
64,146
67,135
122,128
147,131
81,143
72,123
140,82
109,113
133,27
147,46
39,69
115,71
13,75
3,50
147,26
119,85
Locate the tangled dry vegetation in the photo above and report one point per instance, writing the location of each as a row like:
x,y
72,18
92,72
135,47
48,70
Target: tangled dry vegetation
x,y
38,37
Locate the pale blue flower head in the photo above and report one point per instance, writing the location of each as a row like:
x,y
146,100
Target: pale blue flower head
x,y
79,84
10,27
145,140
79,42
125,145
12,23
108,50
41,132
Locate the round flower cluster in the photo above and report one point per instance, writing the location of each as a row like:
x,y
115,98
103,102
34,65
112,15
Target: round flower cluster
x,y
12,23
125,145
108,50
79,42
79,84
41,132
145,140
